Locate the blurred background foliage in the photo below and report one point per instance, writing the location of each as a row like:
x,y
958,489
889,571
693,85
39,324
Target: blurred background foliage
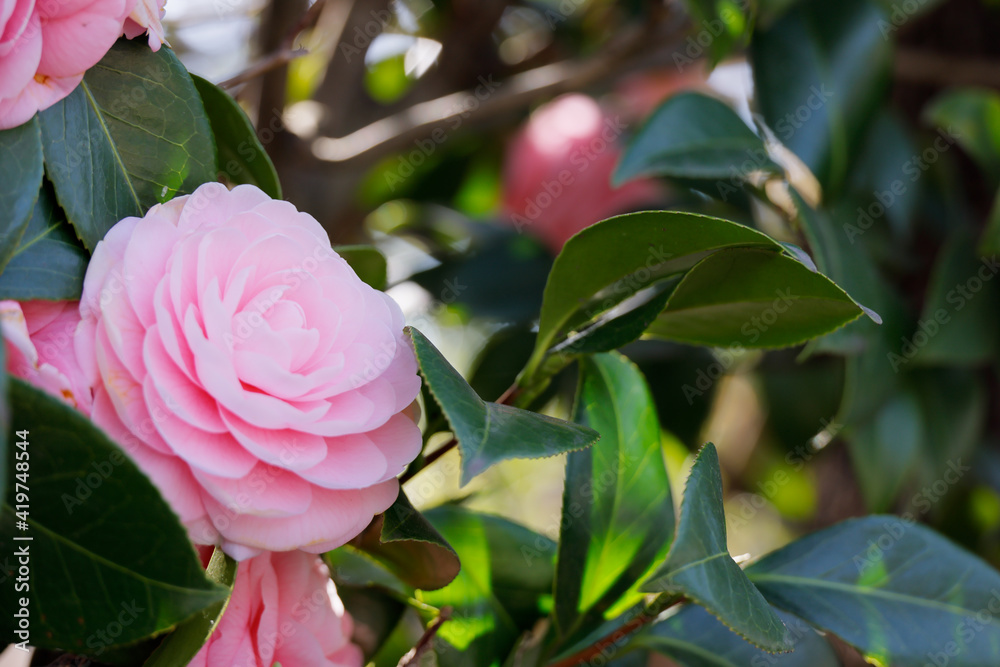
x,y
428,127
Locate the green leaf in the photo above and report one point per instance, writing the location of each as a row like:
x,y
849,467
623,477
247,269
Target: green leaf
x,y
367,262
375,615
723,22
886,448
820,73
49,262
700,568
959,325
5,429
403,542
106,549
605,336
132,135
899,592
972,116
480,631
694,638
20,181
608,262
618,514
753,299
488,433
692,135
184,643
522,569
242,158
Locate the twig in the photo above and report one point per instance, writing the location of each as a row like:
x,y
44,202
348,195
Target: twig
x,y
412,656
266,64
646,617
516,92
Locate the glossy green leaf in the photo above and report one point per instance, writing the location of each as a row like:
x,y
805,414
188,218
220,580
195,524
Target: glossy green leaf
x,y
367,262
700,568
692,135
49,262
605,336
972,117
819,73
522,568
897,591
488,433
753,299
886,448
695,638
960,324
132,135
106,549
242,158
181,645
407,545
20,181
610,261
480,631
618,514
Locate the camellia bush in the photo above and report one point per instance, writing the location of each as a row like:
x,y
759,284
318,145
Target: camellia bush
x,y
226,443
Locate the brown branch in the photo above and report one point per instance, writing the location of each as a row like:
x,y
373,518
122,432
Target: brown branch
x,y
268,63
644,618
412,657
945,70
517,92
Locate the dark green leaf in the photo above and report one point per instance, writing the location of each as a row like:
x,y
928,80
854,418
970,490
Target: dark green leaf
x,y
20,181
897,591
132,135
184,643
959,325
954,405
692,135
242,158
488,433
608,262
480,631
618,514
819,72
972,116
403,542
700,568
694,638
367,262
605,336
522,568
106,547
375,615
5,429
886,448
49,262
753,299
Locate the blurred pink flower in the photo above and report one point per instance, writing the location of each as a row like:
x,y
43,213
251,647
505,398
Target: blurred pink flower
x,y
263,387
146,18
557,176
284,609
46,46
39,345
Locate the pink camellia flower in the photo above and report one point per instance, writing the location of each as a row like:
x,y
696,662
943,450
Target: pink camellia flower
x,y
45,47
557,176
262,386
39,345
146,17
284,609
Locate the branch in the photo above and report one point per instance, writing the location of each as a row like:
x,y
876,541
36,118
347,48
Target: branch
x,y
517,92
412,657
644,618
270,62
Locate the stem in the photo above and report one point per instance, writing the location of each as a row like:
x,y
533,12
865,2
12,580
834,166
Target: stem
x,y
412,657
647,616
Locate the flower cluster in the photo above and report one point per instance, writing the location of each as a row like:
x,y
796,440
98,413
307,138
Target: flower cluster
x,y
264,388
